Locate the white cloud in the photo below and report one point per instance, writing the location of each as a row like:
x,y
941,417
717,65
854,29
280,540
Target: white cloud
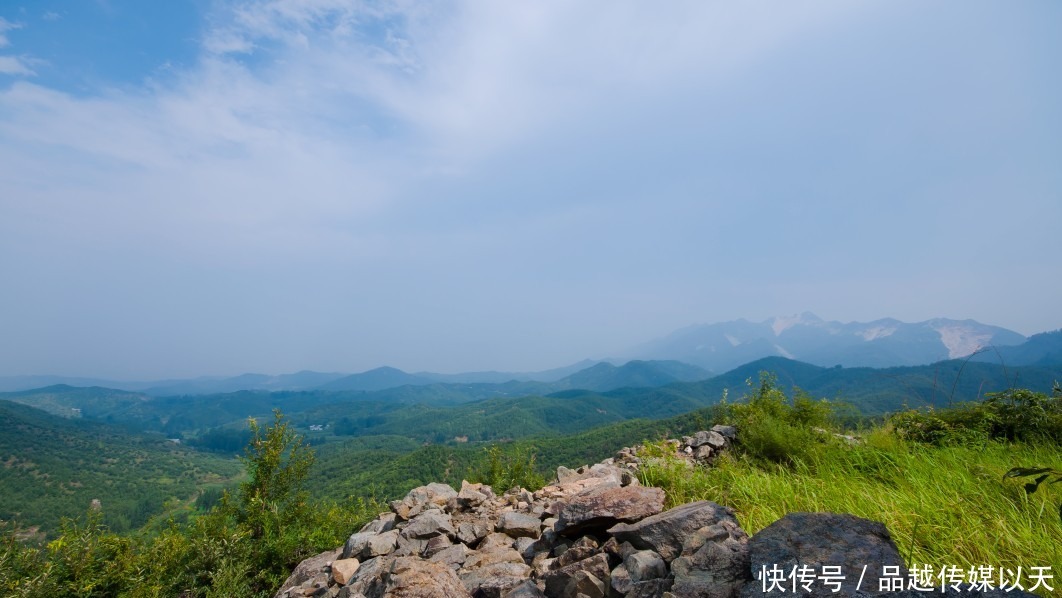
x,y
408,155
6,26
12,65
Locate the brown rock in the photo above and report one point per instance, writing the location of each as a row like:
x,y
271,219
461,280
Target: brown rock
x,y
666,532
343,570
557,580
411,577
602,507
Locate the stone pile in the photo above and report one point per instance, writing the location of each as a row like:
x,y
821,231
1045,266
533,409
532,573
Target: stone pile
x,y
593,533
701,448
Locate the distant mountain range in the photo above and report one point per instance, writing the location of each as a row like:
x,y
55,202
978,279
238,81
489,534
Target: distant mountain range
x,y
692,353
806,337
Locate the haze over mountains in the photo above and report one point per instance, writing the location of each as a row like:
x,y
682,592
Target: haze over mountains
x,y
806,337
688,354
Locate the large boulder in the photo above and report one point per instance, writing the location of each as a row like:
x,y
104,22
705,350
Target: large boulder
x,y
314,568
411,577
665,533
602,506
714,562
557,580
367,545
520,525
817,540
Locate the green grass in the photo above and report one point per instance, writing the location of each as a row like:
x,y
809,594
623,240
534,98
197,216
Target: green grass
x,y
944,505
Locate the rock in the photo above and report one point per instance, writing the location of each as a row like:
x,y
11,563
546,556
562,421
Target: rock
x,y
411,577
602,507
384,522
584,547
702,453
482,558
711,439
453,557
494,580
368,579
584,583
654,588
718,567
429,524
520,525
644,565
494,541
366,545
471,532
313,567
421,499
344,569
620,580
557,579
526,589
728,432
666,532
471,495
818,539
526,548
436,545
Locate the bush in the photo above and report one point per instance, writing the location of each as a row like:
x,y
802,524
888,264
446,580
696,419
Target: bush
x,y
503,470
774,429
1013,415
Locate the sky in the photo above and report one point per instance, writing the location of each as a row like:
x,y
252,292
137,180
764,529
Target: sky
x,y
211,187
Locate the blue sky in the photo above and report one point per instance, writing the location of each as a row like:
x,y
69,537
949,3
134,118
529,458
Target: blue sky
x,y
213,187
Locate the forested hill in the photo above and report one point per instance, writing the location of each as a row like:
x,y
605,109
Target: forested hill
x,y
52,467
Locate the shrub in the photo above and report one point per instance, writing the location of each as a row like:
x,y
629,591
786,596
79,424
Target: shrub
x,y
1013,415
503,470
774,429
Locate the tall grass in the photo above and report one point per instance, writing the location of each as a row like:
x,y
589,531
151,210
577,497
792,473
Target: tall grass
x,y
945,503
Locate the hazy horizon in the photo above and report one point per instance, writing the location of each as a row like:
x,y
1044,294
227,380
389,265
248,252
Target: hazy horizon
x,y
213,187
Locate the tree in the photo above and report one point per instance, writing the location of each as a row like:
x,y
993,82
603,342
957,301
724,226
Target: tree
x,y
277,463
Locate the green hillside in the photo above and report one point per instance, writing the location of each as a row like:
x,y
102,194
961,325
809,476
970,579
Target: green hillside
x,y
54,467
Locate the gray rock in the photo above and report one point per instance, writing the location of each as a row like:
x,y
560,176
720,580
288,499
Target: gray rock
x,y
519,525
818,539
366,545
602,507
526,589
644,565
430,523
471,532
411,546
654,588
666,532
557,579
582,548
584,583
368,579
495,579
454,556
702,453
308,569
526,548
384,522
436,545
718,568
728,432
